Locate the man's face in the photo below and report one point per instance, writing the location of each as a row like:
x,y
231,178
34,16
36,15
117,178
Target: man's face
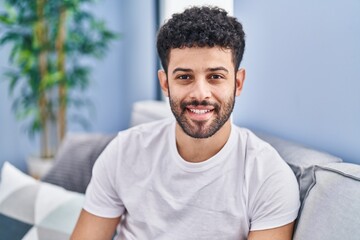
x,y
201,85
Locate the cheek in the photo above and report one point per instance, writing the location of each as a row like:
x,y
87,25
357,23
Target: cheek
x,y
179,93
223,93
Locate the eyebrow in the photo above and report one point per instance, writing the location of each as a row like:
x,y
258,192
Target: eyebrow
x,y
218,69
182,70
209,69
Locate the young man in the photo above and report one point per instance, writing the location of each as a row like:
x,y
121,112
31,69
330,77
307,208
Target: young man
x,y
199,177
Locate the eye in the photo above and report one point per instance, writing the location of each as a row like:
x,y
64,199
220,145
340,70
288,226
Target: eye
x,y
184,77
216,76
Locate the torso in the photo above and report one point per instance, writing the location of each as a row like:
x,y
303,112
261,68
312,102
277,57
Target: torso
x,y
166,197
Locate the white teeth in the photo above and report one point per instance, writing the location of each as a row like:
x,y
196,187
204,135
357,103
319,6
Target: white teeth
x,y
199,111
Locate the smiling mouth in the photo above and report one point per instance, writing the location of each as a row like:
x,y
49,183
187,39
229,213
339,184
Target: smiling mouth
x,y
200,114
200,111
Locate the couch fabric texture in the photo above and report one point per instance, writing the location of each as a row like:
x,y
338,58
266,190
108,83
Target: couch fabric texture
x,y
32,210
75,158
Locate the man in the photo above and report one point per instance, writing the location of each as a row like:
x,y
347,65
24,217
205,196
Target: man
x,y
199,177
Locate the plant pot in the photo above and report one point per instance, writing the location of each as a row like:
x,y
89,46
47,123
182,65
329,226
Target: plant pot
x,y
38,167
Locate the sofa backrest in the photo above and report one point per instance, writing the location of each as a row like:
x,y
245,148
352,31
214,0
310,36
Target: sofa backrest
x,y
150,110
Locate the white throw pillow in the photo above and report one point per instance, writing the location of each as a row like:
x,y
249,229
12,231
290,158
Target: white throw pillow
x,y
30,209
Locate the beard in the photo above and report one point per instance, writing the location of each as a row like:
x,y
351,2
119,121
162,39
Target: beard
x,y
201,129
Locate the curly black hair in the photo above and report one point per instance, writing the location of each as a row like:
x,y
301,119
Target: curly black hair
x,y
201,27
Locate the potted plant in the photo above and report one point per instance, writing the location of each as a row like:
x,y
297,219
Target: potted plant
x,y
49,39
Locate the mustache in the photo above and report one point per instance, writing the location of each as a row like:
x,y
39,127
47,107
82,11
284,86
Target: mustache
x,y
196,103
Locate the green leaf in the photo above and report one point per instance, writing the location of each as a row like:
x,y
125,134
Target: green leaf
x,y
14,77
51,79
10,16
78,77
34,127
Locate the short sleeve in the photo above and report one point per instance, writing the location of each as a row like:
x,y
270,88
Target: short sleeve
x,y
101,197
275,200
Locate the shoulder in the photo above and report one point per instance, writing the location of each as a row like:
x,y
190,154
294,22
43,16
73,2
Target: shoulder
x,y
134,145
262,160
130,141
270,184
265,170
255,148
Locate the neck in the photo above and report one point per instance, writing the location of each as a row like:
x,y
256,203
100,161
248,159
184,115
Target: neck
x,y
200,149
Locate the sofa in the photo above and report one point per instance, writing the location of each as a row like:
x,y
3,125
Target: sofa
x,y
48,209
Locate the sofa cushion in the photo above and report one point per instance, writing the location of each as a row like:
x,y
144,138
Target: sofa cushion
x,y
300,158
30,209
149,110
331,208
74,160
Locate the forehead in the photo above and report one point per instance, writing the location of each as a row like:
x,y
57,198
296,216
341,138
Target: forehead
x,y
200,57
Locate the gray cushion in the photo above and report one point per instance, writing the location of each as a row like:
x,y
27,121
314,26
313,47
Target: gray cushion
x,y
74,160
331,207
300,158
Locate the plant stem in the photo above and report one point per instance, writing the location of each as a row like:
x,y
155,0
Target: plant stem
x,y
60,40
41,37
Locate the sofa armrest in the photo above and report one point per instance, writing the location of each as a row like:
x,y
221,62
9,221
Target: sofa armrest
x,y
331,209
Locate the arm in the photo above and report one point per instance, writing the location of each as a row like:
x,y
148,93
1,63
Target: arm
x,y
279,233
91,227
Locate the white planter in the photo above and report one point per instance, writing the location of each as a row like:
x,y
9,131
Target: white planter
x,y
38,167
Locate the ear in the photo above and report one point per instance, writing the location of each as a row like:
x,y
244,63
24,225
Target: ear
x,y
163,82
240,79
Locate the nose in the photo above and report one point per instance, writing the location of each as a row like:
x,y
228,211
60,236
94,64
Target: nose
x,y
200,90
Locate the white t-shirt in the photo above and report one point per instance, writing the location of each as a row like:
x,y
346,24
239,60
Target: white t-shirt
x,y
141,176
